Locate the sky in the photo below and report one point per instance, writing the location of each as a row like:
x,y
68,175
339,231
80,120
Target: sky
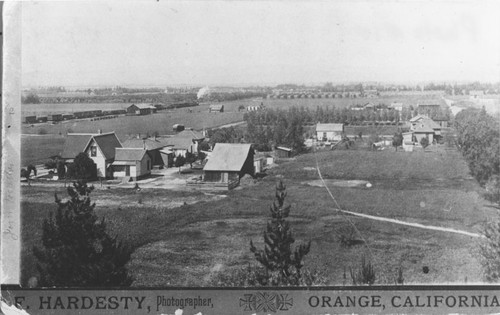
x,y
166,43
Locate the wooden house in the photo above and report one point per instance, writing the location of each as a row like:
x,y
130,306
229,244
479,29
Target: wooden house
x,y
329,132
151,145
131,162
99,147
228,163
183,142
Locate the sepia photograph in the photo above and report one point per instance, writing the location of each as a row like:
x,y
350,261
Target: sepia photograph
x,y
229,144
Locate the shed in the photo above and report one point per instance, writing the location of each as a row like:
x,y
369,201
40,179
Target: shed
x,y
283,152
228,163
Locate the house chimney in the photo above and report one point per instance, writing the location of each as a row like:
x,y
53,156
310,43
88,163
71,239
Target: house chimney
x,y
99,131
138,136
144,144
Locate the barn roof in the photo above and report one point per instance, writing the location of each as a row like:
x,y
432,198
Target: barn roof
x,y
329,127
129,154
228,157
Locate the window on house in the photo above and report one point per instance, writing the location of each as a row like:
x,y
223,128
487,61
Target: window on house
x,y
93,151
149,165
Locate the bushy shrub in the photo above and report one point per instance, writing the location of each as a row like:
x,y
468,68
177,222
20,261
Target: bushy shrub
x,y
254,276
77,251
365,274
490,250
493,189
83,167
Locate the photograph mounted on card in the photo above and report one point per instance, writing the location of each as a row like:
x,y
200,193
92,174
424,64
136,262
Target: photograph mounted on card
x,y
172,144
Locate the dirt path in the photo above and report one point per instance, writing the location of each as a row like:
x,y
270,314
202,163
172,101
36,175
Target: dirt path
x,y
417,225
377,218
230,125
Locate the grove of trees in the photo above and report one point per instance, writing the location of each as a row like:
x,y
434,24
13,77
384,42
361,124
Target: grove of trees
x,y
270,128
478,137
479,140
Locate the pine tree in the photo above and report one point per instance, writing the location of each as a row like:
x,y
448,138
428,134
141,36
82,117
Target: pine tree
x,y
283,266
77,250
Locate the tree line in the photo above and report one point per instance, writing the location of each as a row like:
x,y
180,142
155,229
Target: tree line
x,y
479,141
478,138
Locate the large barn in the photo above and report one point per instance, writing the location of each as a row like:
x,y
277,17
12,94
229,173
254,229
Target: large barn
x,y
228,163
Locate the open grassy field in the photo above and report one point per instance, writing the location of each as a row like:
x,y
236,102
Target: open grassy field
x,y
190,244
36,149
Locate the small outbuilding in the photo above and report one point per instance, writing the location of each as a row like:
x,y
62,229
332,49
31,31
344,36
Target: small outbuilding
x,y
141,109
216,108
283,152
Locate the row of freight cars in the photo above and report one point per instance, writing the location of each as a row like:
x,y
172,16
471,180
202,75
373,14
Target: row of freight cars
x,y
75,115
134,109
